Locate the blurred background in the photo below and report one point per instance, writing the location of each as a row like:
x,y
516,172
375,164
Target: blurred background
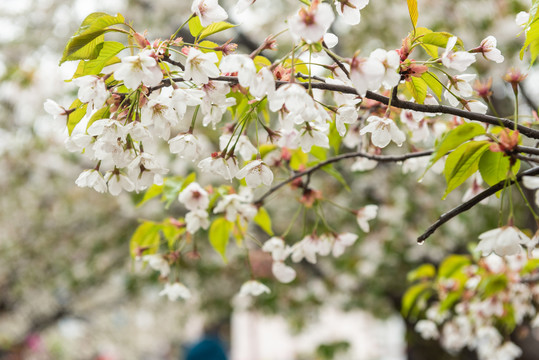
x,y
68,287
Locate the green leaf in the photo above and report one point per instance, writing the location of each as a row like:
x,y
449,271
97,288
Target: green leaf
x,y
412,9
451,265
425,271
146,235
263,220
215,28
440,39
319,152
219,235
414,297
492,285
172,186
103,113
418,88
76,116
84,44
434,84
494,167
171,233
462,163
298,159
451,299
153,191
454,138
107,56
195,27
532,41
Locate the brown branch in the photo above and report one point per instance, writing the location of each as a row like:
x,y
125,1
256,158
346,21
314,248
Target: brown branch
x,y
173,62
488,119
472,202
379,158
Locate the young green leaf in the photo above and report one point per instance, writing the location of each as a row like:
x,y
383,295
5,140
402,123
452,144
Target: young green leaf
x,y
76,116
454,138
106,57
195,27
219,235
462,163
425,271
215,28
412,9
414,297
153,191
451,265
418,88
434,84
146,236
263,220
440,39
494,167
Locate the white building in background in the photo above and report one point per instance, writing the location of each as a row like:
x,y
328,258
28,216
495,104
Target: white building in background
x,y
258,337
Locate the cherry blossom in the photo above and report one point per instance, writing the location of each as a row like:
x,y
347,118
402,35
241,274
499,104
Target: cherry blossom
x,y
383,131
158,262
197,219
342,241
345,115
391,62
366,74
532,183
458,60
92,90
502,241
262,84
194,197
256,173
175,291
282,272
459,86
185,145
117,182
277,247
200,66
243,65
253,288
311,24
218,165
92,178
59,112
208,11
350,10
489,50
522,18
365,214
427,329
233,205
242,5
137,69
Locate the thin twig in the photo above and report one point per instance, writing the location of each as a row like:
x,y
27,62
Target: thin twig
x,y
472,202
175,63
379,158
488,119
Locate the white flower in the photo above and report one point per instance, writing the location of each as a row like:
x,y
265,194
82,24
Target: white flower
x,y
282,272
391,62
256,173
160,114
234,205
59,112
200,66
461,87
331,40
263,84
489,50
306,249
158,262
342,241
243,146
293,96
141,68
458,60
118,182
175,291
313,135
345,115
349,10
476,106
532,183
196,219
502,241
92,178
365,214
311,24
181,98
383,131
243,65
363,164
218,165
427,329
366,74
92,90
208,11
522,18
253,288
194,197
278,249
242,5
185,145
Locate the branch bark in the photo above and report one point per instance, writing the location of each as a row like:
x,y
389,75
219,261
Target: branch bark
x,y
472,202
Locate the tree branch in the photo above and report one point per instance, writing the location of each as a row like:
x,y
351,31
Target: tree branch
x,y
379,158
488,119
472,202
